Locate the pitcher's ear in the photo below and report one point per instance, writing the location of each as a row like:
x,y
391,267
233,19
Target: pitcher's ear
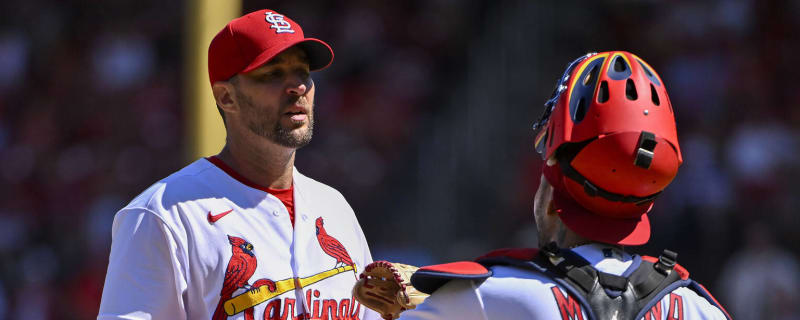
x,y
225,95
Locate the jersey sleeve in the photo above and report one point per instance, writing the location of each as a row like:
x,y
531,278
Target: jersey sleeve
x,y
144,278
458,299
700,308
684,303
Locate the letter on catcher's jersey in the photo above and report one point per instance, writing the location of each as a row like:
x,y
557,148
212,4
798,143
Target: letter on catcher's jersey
x,y
201,244
515,293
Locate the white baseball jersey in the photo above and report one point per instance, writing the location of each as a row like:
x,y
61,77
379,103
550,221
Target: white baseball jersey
x,y
515,293
201,244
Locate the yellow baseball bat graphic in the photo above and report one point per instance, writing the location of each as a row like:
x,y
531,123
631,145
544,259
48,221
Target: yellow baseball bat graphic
x,y
250,299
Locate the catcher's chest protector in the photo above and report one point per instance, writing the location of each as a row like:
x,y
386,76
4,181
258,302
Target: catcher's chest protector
x,y
608,296
601,295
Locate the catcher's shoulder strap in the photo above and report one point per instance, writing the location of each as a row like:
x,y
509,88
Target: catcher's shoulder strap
x,y
429,278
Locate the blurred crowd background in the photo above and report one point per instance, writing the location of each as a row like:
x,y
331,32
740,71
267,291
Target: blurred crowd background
x,y
423,123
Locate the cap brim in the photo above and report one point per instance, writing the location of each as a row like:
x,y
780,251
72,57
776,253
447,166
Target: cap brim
x,y
629,232
320,54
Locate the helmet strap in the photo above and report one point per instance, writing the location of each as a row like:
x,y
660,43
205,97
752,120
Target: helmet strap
x,y
564,163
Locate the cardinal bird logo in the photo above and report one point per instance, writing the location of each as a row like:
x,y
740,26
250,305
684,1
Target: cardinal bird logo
x,y
240,268
332,247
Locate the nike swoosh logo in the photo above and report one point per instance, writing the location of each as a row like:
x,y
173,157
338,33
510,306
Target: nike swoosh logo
x,y
214,218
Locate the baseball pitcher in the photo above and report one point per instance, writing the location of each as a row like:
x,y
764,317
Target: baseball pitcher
x,y
243,234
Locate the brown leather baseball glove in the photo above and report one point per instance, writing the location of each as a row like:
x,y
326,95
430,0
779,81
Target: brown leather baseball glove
x,y
386,288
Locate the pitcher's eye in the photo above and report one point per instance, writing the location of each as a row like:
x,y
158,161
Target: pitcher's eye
x,y
303,74
271,75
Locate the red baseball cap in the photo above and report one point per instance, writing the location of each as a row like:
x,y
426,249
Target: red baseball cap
x,y
249,41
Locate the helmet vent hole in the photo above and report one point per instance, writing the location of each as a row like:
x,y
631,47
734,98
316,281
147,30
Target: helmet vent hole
x,y
650,74
589,76
613,170
580,111
602,94
647,71
630,90
654,95
619,65
618,68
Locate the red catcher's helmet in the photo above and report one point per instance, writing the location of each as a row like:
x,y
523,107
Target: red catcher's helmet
x,y
608,133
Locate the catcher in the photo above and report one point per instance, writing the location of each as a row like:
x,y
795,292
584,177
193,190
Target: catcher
x,y
609,139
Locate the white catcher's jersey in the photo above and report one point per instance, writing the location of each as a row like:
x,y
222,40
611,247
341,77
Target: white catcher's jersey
x,y
201,244
515,293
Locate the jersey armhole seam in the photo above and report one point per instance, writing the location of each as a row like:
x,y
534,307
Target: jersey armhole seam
x,y
172,232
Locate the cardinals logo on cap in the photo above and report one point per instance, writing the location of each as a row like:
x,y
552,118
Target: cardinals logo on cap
x,y
280,25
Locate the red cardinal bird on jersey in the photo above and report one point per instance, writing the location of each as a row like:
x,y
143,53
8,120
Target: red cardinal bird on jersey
x,y
332,247
241,267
